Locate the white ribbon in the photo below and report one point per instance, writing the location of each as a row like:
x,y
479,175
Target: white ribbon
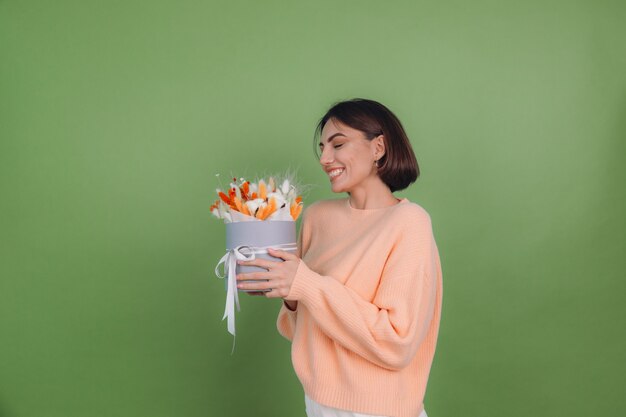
x,y
230,264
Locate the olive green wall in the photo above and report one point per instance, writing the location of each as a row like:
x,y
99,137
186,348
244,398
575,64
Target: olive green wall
x,y
115,117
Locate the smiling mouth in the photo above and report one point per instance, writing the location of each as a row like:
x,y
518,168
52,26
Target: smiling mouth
x,y
335,173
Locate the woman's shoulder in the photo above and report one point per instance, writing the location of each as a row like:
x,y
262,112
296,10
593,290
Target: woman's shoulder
x,y
412,211
407,217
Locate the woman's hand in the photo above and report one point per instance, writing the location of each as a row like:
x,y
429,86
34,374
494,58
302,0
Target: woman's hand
x,y
279,274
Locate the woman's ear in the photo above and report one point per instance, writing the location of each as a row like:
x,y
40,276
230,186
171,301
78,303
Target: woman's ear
x,y
378,144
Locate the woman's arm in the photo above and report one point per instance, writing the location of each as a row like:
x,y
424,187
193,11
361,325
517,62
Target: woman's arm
x,y
389,330
286,321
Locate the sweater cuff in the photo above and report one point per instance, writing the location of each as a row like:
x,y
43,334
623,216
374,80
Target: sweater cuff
x,y
289,309
303,282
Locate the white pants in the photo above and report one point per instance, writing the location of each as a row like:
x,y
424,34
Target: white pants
x,y
315,409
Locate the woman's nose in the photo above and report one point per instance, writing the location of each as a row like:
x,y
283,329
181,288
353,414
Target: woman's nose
x,y
326,157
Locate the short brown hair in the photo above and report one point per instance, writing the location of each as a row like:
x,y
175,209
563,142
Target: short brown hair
x,y
398,167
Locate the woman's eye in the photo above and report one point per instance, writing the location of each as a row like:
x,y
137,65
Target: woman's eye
x,y
337,146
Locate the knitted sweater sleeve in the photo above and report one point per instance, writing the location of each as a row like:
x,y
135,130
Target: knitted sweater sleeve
x,y
286,321
388,330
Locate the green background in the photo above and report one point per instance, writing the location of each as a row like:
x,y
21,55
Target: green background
x,y
115,117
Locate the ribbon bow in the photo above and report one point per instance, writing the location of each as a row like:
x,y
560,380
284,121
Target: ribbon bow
x,y
230,264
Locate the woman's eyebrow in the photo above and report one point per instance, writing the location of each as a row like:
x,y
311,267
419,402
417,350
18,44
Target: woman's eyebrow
x,y
333,137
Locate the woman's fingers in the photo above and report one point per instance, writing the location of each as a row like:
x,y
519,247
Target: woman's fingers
x,y
282,254
254,281
273,293
263,263
250,276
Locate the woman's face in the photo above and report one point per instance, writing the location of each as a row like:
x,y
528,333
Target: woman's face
x,y
347,156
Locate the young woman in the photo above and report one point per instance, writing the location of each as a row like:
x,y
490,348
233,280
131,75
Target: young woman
x,y
362,295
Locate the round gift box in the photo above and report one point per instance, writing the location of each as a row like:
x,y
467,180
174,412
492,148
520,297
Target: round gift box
x,y
257,234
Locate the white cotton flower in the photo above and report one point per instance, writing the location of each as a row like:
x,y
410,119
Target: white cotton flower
x,y
253,205
276,193
280,199
222,209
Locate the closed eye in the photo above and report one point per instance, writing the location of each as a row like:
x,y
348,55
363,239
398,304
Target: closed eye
x,y
337,146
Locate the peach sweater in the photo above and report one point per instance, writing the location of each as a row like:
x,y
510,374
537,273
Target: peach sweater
x,y
369,292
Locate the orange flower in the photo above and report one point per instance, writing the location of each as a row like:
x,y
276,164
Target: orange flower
x,y
260,212
271,207
295,210
245,189
224,198
262,190
238,204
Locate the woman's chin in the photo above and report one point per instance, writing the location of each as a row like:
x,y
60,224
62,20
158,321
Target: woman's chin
x,y
338,188
340,184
